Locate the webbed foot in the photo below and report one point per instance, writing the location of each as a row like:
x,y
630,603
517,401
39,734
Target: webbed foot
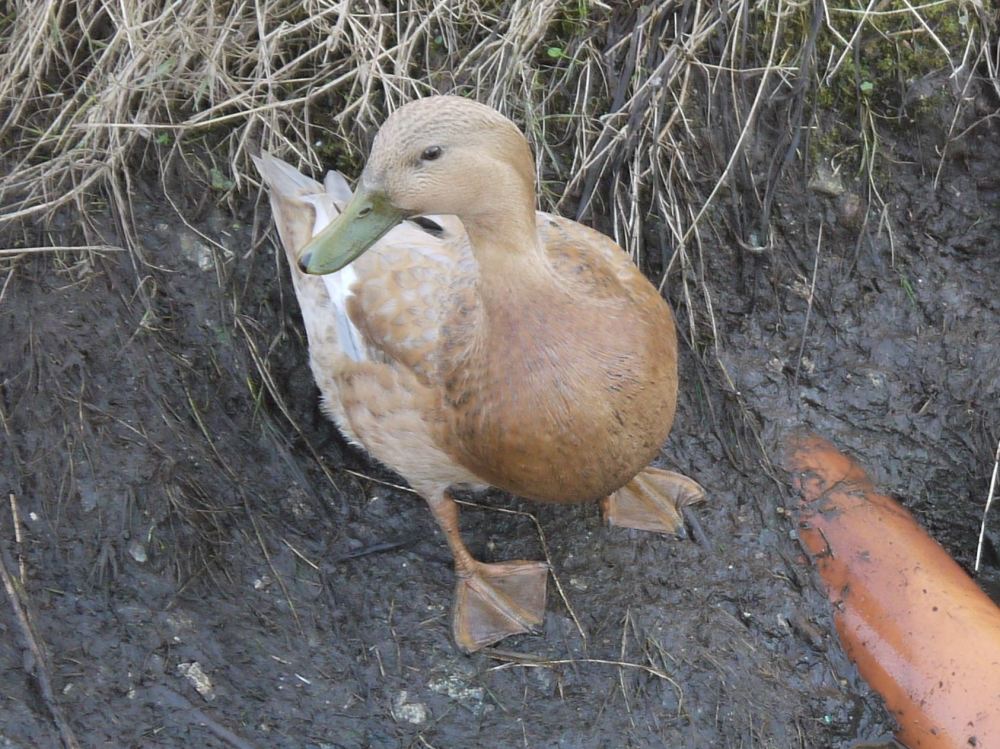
x,y
494,601
652,501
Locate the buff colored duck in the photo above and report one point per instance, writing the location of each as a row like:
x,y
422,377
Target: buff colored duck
x,y
462,338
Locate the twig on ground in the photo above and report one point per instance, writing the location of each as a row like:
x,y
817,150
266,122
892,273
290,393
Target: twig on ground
x,y
15,516
15,251
809,306
270,563
621,657
17,596
527,661
986,510
168,697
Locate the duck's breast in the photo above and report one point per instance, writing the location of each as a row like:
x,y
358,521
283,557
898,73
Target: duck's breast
x,y
570,397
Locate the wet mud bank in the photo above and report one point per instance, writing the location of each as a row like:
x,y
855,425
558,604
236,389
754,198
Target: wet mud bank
x,y
207,563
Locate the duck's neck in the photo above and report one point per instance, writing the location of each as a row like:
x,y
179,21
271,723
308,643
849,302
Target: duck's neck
x,y
504,235
511,261
502,227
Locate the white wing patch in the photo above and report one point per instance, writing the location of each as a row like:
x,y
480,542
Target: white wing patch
x,y
338,285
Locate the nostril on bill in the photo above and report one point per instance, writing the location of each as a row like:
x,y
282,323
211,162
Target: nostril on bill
x,y
304,262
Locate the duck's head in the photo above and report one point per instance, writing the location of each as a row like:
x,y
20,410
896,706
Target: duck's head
x,y
439,155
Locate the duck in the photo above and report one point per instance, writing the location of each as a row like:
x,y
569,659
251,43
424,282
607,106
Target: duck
x,y
466,340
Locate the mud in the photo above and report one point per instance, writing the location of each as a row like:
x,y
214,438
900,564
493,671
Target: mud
x,y
182,500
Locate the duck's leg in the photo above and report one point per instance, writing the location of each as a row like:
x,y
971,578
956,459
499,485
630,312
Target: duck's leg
x,y
492,601
652,501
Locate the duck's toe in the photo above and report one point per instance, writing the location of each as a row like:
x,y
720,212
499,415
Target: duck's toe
x,y
653,501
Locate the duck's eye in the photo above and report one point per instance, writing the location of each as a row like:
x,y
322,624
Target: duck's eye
x,y
430,153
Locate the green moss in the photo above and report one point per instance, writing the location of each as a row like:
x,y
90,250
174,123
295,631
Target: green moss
x,y
865,68
339,155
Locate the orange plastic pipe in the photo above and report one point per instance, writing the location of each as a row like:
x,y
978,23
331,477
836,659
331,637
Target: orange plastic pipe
x,y
920,630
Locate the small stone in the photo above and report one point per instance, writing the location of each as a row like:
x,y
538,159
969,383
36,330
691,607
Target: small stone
x,y
197,252
194,673
851,210
262,583
877,379
826,180
456,687
404,711
801,288
137,550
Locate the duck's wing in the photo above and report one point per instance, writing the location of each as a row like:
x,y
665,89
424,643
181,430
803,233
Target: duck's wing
x,y
590,260
390,303
408,283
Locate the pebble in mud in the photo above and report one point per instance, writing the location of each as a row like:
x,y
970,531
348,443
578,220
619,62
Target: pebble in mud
x,y
826,180
456,687
851,210
137,550
405,711
196,675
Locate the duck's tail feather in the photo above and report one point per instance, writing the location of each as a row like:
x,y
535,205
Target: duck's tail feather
x,y
302,207
291,196
337,187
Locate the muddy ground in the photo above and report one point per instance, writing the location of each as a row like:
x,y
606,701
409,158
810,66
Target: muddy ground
x,y
185,509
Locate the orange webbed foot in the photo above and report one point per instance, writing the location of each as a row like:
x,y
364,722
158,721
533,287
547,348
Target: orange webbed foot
x,y
652,501
494,601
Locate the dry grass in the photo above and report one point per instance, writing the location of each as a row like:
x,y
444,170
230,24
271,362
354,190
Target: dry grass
x,y
666,123
613,99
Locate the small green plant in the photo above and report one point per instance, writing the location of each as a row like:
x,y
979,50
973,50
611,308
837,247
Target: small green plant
x,y
904,281
220,181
